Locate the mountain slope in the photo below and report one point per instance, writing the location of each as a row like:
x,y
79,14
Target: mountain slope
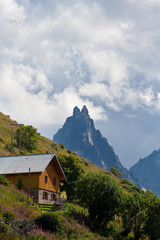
x,y
79,135
45,145
147,172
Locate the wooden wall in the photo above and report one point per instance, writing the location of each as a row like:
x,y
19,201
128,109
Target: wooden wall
x,y
34,179
51,173
37,180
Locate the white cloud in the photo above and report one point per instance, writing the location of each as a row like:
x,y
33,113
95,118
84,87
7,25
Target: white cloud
x,y
79,53
11,11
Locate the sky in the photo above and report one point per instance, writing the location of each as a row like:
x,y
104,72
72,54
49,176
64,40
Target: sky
x,y
58,54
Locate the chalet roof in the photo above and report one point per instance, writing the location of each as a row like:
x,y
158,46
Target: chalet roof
x,y
21,164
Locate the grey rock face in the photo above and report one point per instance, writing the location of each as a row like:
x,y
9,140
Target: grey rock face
x,y
79,135
147,172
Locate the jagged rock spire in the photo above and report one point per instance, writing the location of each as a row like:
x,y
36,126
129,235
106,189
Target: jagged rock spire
x,y
84,111
79,135
76,111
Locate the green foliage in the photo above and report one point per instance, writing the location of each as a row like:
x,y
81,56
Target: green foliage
x,y
8,216
69,151
29,137
133,213
86,163
20,183
8,147
73,171
2,140
116,173
129,186
54,146
4,180
61,145
152,227
49,222
77,212
102,196
3,226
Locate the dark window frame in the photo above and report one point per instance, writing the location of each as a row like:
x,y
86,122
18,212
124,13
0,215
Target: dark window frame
x,y
46,179
54,181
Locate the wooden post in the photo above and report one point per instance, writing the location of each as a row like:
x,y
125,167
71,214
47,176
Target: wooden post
x,y
29,183
20,139
11,138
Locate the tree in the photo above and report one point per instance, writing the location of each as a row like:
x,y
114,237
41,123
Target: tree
x,y
102,196
133,213
29,137
73,171
20,183
152,226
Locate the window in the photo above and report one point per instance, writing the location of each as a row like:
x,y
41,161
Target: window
x,y
46,179
54,181
45,195
53,197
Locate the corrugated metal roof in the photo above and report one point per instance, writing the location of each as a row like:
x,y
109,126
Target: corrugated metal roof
x,y
21,164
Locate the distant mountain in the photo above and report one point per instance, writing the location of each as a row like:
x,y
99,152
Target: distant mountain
x,y
147,172
79,134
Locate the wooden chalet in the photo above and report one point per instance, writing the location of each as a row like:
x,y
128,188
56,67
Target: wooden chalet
x,y
41,174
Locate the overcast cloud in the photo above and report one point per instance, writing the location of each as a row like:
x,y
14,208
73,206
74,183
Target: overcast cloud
x,y
101,53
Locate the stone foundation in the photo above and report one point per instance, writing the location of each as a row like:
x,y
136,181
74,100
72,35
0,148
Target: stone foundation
x,y
43,196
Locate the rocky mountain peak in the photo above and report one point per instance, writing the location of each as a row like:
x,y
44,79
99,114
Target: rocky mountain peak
x,y
76,111
79,135
147,172
84,111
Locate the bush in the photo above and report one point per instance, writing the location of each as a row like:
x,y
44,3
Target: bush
x,y
116,173
49,222
4,180
86,163
61,145
20,183
54,146
8,216
29,137
102,196
3,226
69,151
8,147
1,140
73,171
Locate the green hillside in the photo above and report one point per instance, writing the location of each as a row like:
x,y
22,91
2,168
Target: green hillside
x,y
45,144
100,204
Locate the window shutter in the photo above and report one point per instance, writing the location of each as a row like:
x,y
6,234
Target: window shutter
x,y
54,181
43,195
46,179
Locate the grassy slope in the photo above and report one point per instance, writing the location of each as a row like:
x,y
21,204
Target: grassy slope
x,y
15,202
8,195
45,144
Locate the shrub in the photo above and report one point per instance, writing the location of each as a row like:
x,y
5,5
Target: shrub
x,y
102,197
49,222
4,180
3,226
8,147
73,171
54,146
115,172
69,151
20,183
1,140
29,137
86,163
8,216
61,145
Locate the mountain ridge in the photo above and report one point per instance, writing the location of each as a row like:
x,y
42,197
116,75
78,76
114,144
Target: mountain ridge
x,y
79,134
147,171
